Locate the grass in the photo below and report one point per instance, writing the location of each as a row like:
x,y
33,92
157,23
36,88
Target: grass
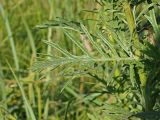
x,y
79,60
27,105
11,40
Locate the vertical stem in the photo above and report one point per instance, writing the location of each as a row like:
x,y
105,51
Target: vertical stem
x,y
10,37
81,88
46,109
50,32
39,102
30,36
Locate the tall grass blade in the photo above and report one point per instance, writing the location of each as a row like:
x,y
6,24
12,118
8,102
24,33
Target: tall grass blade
x,y
16,61
27,105
30,36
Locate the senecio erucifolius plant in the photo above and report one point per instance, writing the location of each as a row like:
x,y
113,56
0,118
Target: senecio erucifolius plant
x,y
117,51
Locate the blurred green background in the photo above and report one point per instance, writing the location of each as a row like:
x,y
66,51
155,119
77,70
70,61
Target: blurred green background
x,y
21,44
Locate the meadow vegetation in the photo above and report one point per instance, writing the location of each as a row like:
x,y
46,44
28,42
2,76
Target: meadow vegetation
x,y
79,60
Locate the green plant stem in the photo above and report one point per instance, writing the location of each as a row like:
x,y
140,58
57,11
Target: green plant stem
x,y
10,37
49,48
27,104
39,99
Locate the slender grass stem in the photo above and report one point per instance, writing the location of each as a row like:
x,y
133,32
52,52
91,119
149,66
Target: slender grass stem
x,y
8,27
27,104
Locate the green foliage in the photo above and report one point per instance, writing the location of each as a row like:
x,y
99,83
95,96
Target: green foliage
x,y
116,46
99,60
